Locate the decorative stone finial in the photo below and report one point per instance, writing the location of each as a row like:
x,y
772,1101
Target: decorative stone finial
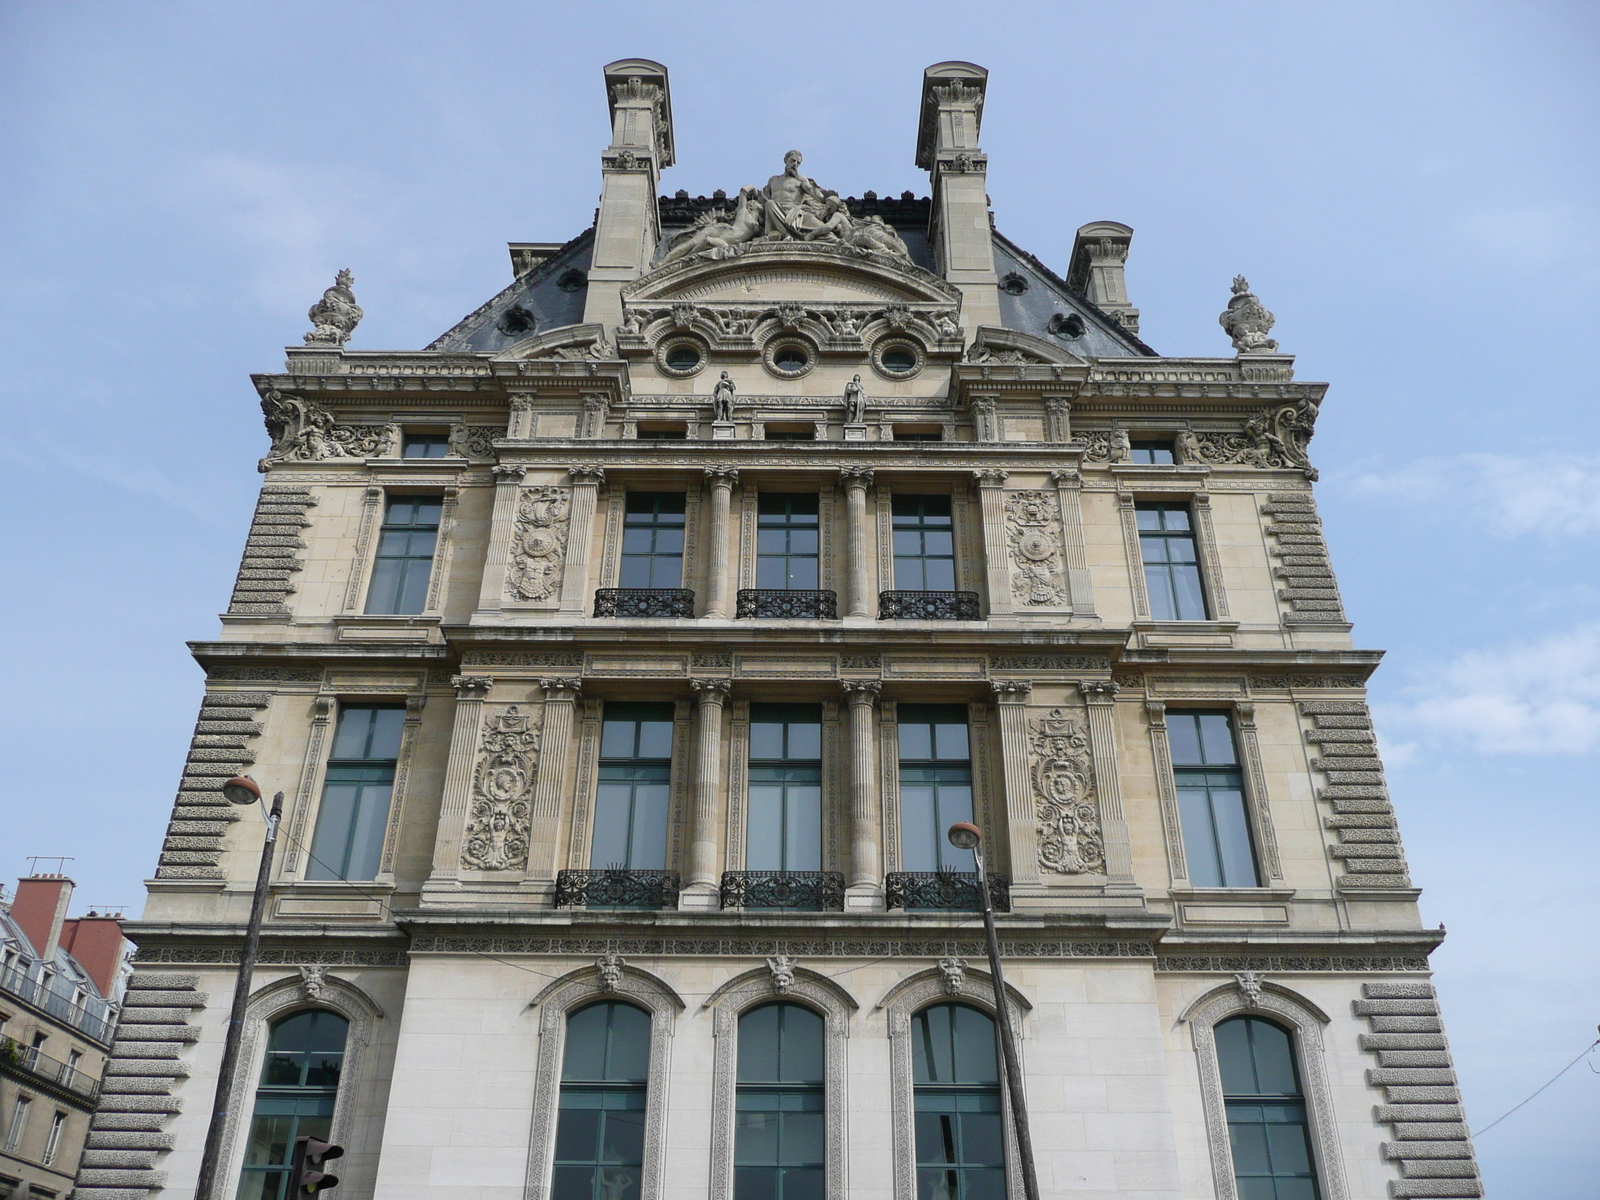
x,y
336,315
1247,321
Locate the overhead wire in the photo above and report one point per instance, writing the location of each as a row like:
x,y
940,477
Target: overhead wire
x,y
1589,1049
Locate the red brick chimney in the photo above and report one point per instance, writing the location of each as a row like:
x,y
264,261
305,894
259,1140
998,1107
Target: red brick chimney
x,y
39,908
96,942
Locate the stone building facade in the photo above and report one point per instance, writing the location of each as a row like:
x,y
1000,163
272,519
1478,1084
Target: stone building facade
x,y
624,654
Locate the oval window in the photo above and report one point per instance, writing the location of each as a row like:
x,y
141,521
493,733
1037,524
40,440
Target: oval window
x,y
683,357
791,359
899,360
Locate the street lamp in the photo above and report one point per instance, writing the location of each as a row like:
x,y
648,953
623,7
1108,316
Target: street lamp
x,y
964,835
241,790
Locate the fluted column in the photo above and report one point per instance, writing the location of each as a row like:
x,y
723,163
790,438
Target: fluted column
x,y
1011,697
991,486
555,739
866,819
1101,698
722,481
502,527
471,692
856,482
711,695
586,483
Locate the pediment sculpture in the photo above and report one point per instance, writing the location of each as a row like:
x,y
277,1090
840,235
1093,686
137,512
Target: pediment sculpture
x,y
792,207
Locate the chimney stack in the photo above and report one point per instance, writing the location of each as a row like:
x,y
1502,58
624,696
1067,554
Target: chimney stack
x,y
96,942
40,908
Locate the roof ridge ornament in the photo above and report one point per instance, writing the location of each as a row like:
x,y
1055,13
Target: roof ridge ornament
x,y
1247,321
335,316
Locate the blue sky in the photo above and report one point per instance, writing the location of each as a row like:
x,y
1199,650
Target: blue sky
x,y
1411,187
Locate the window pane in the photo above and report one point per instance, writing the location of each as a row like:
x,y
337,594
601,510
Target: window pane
x,y
1274,1060
1216,738
1199,838
647,851
764,850
1233,838
613,804
916,741
1190,601
758,1044
919,828
801,1059
1234,1061
802,828
950,741
1183,735
367,831
766,739
975,1060
982,1143
1163,604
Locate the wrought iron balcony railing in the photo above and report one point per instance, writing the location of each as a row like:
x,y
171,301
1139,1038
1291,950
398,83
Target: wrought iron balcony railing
x,y
776,602
26,1061
617,887
95,1022
955,890
644,602
815,891
929,606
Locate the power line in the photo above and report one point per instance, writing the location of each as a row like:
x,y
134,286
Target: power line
x,y
1547,1083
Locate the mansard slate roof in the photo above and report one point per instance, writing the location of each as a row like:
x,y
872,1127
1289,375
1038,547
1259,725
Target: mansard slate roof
x,y
551,295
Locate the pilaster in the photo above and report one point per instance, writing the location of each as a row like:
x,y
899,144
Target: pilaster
x,y
555,740
991,485
1011,699
1080,590
502,527
1100,697
471,692
586,483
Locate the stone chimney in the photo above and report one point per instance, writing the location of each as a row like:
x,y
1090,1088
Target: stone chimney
x,y
40,908
1099,257
629,224
96,942
947,147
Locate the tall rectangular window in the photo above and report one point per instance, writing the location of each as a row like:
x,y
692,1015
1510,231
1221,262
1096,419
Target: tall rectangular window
x,y
785,788
19,1123
1171,567
788,539
935,786
52,1141
652,540
348,843
605,1073
1211,803
633,795
1267,1127
924,544
405,555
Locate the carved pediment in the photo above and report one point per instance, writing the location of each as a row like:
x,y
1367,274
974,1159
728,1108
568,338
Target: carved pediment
x,y
995,345
575,342
771,271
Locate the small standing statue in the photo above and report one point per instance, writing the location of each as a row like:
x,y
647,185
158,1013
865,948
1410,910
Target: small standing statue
x,y
722,399
336,315
855,402
1247,320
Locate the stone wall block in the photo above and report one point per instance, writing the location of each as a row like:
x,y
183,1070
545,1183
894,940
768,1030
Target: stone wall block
x,y
141,1104
167,1068
138,1159
1416,1150
136,1085
1393,1076
1423,1095
146,1049
1427,1131
102,1179
114,1121
1401,1041
1405,1189
153,1032
1408,990
105,1139
1413,1058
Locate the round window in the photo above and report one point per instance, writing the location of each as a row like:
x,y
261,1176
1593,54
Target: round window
x,y
790,359
898,360
683,357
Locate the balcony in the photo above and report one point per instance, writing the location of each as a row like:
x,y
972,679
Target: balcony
x,y
777,602
27,1064
808,891
644,602
617,887
954,891
929,606
96,1026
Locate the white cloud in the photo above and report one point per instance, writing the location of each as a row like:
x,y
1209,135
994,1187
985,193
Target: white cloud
x,y
1550,494
1540,697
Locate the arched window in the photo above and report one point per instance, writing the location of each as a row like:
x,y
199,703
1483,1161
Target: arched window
x,y
1266,1111
600,1130
960,1136
299,1085
778,1140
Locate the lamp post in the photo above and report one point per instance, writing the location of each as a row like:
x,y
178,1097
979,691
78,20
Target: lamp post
x,y
240,790
966,836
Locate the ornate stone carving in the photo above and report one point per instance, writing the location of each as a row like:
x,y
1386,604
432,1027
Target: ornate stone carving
x,y
498,821
1070,841
302,431
1106,445
471,687
855,402
1249,987
474,441
953,974
610,967
539,543
1275,440
782,969
335,316
722,395
312,980
1247,321
718,234
1033,534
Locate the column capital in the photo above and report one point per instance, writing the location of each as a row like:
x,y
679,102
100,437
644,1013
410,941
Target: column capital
x,y
725,477
1245,712
471,687
1098,691
561,688
1057,404
990,477
587,476
1011,691
1067,478
508,472
861,691
711,691
414,706
856,477
1156,710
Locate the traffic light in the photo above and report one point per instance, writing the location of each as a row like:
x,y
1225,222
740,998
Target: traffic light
x,y
308,1177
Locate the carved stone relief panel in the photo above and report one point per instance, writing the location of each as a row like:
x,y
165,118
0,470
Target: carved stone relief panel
x,y
500,816
747,537
1034,543
889,775
834,801
885,538
969,563
539,543
681,779
1067,810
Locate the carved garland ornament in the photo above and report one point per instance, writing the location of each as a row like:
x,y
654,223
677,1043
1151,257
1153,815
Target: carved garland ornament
x,y
539,543
1068,814
1033,533
501,814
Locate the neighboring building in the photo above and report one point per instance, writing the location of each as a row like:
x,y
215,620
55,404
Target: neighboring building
x,y
624,654
61,981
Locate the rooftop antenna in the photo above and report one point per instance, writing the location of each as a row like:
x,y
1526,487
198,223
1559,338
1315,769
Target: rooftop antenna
x,y
59,859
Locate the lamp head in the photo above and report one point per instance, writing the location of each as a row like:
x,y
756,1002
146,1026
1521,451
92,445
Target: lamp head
x,y
241,789
964,835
